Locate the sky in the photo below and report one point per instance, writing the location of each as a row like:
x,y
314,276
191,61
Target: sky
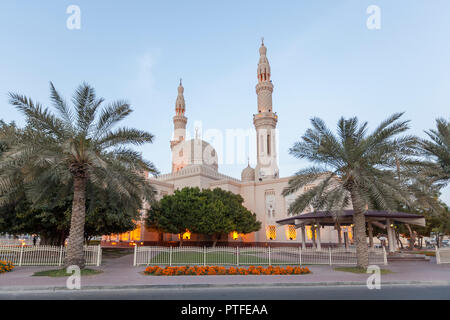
x,y
325,63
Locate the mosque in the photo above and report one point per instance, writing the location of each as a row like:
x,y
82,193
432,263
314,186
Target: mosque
x,y
195,164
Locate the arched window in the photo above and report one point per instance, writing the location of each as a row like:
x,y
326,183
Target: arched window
x,y
291,232
271,232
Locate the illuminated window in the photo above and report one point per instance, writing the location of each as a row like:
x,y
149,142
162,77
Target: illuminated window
x,y
235,235
271,232
291,232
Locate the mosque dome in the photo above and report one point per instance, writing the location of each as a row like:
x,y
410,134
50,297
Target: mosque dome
x,y
248,174
195,152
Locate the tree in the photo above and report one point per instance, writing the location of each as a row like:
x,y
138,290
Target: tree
x,y
73,148
354,168
107,214
426,175
223,213
176,213
50,219
438,151
208,212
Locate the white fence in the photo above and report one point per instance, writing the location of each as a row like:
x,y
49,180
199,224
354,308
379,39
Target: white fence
x,y
442,255
46,255
250,256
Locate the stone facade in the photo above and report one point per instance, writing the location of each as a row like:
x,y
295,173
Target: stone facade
x,y
194,164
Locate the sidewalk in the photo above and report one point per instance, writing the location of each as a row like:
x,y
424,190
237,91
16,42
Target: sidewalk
x,y
119,273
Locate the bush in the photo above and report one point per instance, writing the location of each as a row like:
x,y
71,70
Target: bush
x,y
216,270
6,266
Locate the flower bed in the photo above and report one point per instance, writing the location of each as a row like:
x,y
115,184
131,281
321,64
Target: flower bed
x,y
6,266
216,270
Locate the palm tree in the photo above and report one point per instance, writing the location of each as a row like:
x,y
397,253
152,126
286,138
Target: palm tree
x,y
438,150
76,146
352,168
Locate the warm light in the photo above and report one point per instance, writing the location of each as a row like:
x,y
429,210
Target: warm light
x,y
187,235
113,243
271,232
135,235
309,232
392,225
291,232
235,235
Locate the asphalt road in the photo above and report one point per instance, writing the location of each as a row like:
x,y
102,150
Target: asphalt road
x,y
391,292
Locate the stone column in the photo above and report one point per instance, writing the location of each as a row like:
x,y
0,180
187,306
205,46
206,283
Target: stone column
x,y
319,245
313,231
369,227
338,228
346,239
303,229
391,236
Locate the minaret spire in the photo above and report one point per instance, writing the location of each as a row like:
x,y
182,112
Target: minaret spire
x,y
265,121
180,105
264,88
179,125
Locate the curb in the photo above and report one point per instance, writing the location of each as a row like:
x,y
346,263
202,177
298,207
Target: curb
x,y
200,286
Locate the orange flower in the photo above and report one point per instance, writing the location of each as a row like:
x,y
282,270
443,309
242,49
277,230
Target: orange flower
x,y
232,271
205,270
6,266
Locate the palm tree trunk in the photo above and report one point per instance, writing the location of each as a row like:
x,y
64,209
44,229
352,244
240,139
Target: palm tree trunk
x,y
75,252
359,220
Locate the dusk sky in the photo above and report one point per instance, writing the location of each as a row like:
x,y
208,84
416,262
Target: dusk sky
x,y
325,62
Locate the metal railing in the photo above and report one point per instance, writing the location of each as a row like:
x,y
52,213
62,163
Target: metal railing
x,y
45,255
251,256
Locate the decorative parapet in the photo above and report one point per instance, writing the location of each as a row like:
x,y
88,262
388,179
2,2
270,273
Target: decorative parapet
x,y
195,170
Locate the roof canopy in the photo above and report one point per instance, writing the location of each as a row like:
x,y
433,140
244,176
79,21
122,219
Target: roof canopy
x,y
329,218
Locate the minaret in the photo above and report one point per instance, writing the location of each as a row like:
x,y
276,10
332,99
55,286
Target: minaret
x,y
265,122
179,132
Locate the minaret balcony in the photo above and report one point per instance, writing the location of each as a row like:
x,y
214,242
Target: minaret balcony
x,y
265,118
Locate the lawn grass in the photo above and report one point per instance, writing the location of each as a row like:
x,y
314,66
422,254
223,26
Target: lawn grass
x,y
113,253
62,273
425,252
359,270
212,258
